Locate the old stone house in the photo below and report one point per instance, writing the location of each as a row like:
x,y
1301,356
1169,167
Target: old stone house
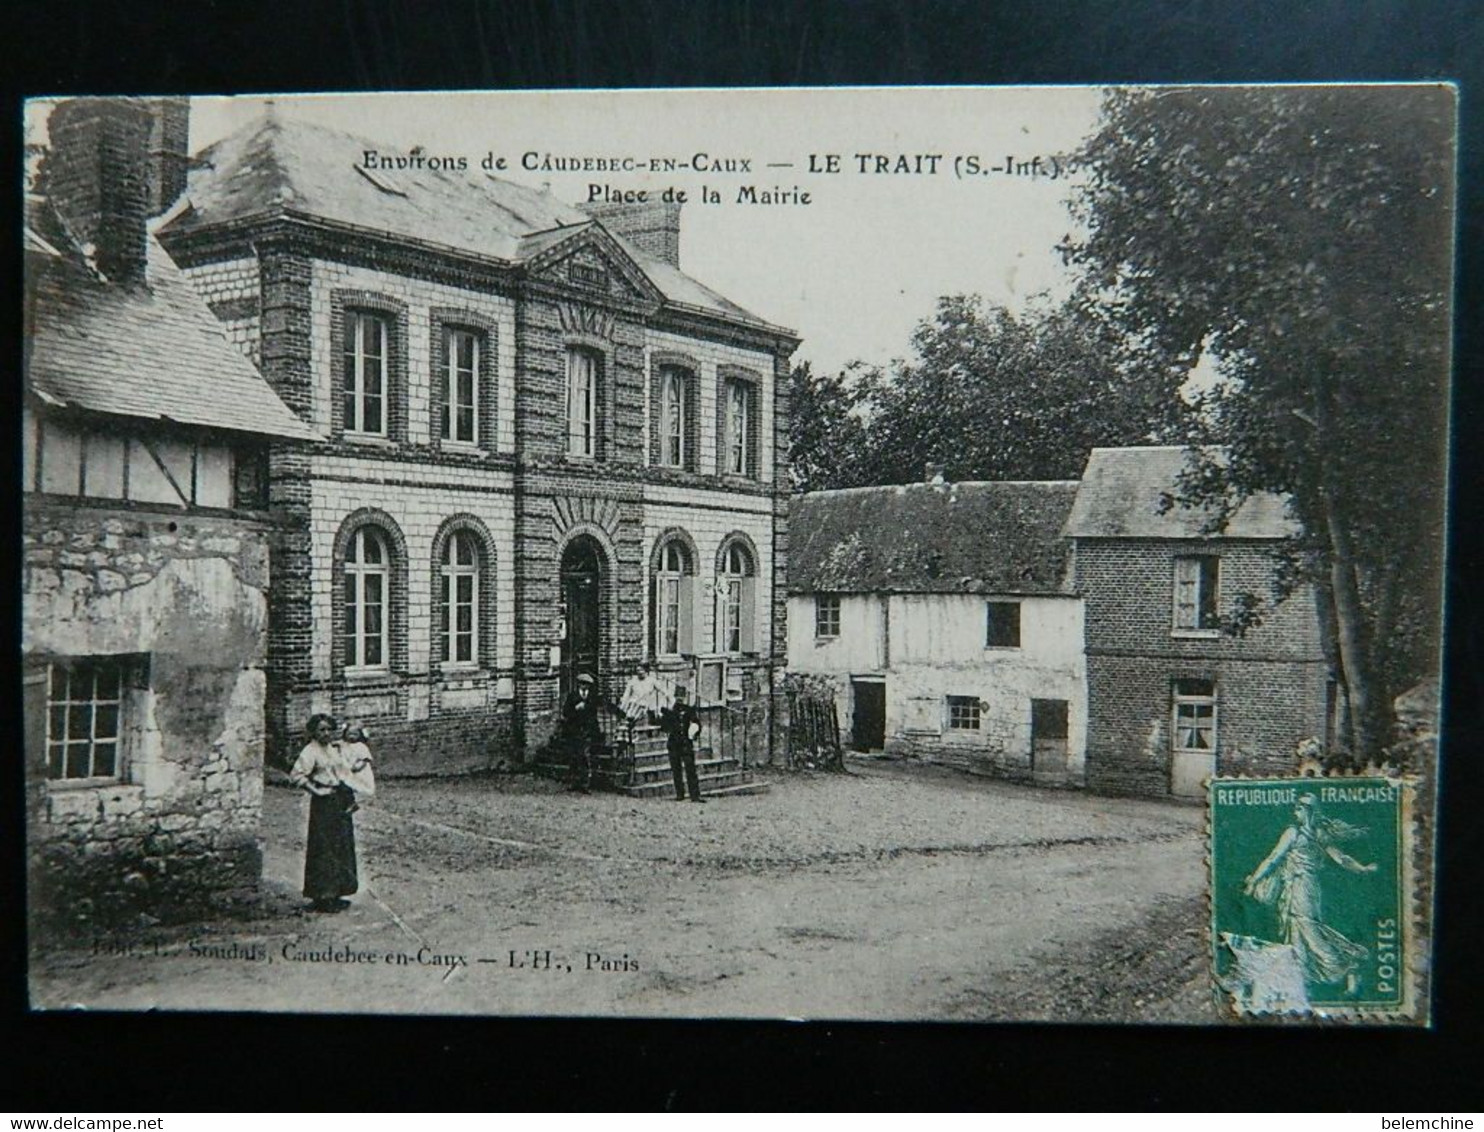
x,y
1073,633
144,616
1172,698
547,450
944,615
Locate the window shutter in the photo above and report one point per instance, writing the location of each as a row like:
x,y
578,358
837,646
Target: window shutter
x,y
687,589
749,614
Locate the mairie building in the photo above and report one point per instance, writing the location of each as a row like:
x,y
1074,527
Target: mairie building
x,y
548,451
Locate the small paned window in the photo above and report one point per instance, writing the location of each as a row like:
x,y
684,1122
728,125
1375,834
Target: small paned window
x,y
1195,715
85,700
826,615
1002,625
1197,593
963,713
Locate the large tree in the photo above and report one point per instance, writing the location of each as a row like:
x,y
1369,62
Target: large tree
x,y
1300,238
986,394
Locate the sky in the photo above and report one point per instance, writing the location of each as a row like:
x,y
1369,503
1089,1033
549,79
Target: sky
x,y
854,270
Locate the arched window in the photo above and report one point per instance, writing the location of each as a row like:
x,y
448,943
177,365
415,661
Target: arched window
x,y
672,417
367,583
735,587
673,580
457,601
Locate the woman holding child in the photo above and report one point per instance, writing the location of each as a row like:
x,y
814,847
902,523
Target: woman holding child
x,y
329,771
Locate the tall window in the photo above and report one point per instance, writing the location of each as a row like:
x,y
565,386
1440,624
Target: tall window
x,y
1195,715
672,417
458,600
826,615
366,364
736,454
672,583
582,403
366,587
735,590
83,700
460,379
1197,593
1002,625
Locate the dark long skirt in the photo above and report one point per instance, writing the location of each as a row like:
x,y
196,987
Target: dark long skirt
x,y
330,848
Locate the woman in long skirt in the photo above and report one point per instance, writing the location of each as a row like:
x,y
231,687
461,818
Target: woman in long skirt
x,y
330,847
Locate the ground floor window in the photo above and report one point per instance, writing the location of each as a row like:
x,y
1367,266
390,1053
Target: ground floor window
x,y
963,713
84,726
1195,715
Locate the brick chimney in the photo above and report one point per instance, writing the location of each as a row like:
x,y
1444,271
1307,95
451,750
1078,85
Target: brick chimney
x,y
97,180
169,151
654,226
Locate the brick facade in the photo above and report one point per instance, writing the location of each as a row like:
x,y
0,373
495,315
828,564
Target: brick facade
x,y
518,486
1270,685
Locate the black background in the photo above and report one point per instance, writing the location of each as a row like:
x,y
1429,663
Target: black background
x,y
76,1063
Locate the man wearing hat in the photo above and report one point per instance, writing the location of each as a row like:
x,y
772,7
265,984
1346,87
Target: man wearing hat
x,y
681,724
580,732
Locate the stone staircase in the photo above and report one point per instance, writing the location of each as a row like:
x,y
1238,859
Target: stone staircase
x,y
719,777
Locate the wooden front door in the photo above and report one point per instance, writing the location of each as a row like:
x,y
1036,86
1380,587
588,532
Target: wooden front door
x,y
868,714
1049,740
581,589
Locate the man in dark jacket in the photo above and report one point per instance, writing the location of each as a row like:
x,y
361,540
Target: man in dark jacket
x,y
681,724
580,732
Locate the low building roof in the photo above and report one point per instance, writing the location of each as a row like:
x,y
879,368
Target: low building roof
x,y
274,165
149,350
989,537
1122,491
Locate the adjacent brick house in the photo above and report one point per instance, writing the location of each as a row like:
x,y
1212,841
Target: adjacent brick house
x,y
944,615
1173,698
1069,633
547,449
146,536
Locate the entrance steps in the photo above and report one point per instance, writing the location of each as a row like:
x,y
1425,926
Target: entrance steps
x,y
649,775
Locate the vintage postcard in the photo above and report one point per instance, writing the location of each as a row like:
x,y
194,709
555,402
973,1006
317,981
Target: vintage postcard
x,y
955,554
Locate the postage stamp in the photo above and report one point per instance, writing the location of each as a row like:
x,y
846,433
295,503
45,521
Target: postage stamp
x,y
1310,895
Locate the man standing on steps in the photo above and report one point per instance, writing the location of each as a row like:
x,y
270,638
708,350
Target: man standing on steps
x,y
681,724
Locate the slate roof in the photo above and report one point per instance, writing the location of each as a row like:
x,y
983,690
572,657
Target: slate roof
x,y
276,164
994,537
1119,497
150,350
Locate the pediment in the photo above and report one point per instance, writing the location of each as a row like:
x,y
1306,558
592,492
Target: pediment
x,y
591,263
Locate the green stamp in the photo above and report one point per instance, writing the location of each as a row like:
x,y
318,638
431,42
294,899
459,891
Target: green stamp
x,y
1310,895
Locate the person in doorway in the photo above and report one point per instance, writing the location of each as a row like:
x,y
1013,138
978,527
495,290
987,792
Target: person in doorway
x,y
682,725
580,732
330,846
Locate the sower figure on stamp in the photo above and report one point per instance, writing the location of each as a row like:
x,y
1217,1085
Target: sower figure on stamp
x,y
681,724
580,732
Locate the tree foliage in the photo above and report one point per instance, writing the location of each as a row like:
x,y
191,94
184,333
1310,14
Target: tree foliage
x,y
1301,238
988,394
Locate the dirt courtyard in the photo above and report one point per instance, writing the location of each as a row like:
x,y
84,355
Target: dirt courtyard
x,y
892,892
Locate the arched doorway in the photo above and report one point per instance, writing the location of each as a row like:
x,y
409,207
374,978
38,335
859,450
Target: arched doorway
x,y
581,598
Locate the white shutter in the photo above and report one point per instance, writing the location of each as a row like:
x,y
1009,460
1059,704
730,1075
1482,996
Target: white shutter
x,y
687,588
749,614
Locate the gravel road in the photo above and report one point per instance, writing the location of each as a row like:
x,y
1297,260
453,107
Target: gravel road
x,y
892,892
